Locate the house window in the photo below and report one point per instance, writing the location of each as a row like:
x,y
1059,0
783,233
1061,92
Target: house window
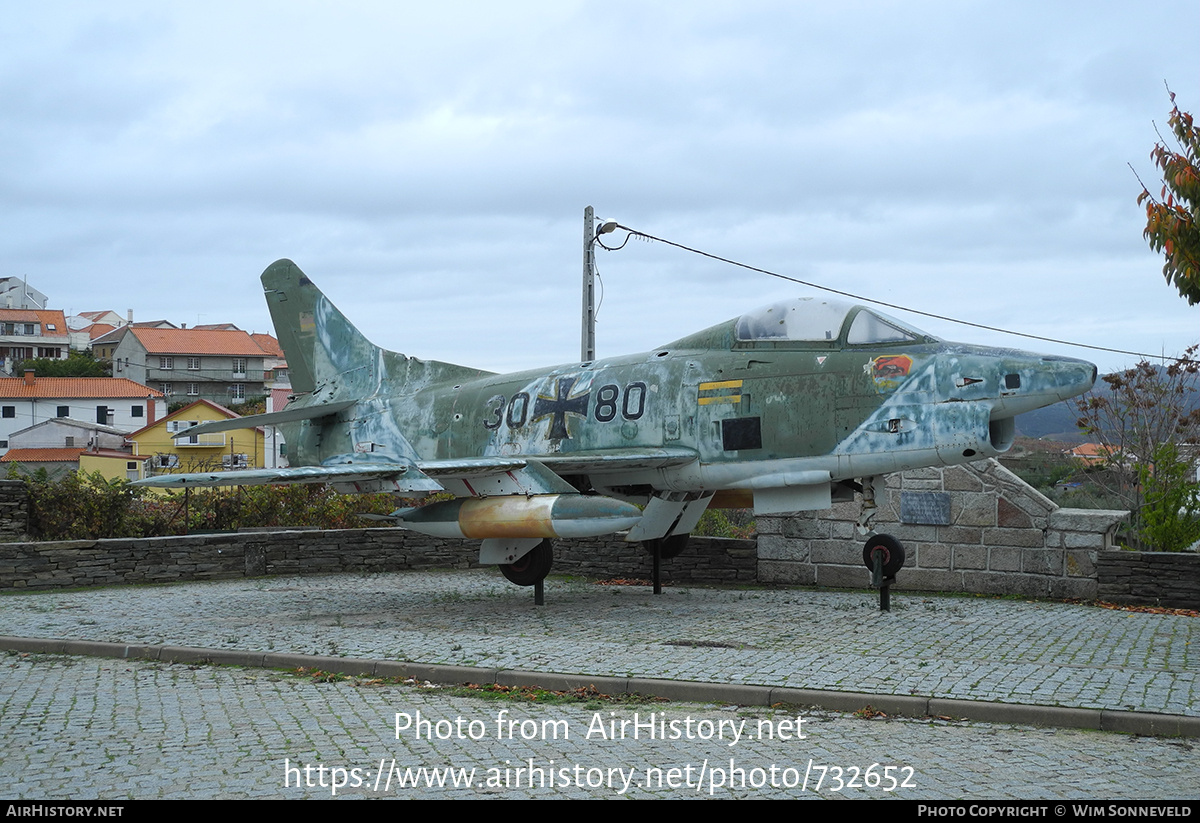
x,y
132,464
136,411
193,388
63,411
193,364
70,441
3,444
51,326
10,328
118,363
166,363
102,414
239,367
53,353
165,388
8,411
29,328
238,391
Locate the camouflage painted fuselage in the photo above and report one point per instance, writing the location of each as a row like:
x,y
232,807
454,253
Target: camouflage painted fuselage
x,y
785,408
724,408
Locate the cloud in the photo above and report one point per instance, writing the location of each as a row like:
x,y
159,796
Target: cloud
x,y
431,163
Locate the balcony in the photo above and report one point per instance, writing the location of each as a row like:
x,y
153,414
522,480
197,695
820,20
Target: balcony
x,y
200,441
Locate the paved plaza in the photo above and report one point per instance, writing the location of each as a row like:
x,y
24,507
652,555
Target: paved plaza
x,y
86,727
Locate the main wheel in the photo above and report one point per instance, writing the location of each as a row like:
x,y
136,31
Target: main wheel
x,y
893,554
531,568
668,547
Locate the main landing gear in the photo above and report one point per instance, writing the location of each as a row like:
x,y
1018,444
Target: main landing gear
x,y
531,570
533,567
664,548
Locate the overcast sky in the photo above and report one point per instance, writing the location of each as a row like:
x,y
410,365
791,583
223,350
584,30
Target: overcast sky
x,y
428,167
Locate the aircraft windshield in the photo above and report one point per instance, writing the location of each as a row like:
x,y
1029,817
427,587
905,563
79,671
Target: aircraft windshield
x,y
810,319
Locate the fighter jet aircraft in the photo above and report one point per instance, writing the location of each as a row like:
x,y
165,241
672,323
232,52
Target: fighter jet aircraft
x,y
786,408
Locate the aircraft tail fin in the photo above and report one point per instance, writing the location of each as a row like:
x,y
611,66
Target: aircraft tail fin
x,y
323,348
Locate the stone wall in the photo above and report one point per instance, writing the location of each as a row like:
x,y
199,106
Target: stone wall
x,y
972,528
992,533
1150,578
706,560
250,554
14,510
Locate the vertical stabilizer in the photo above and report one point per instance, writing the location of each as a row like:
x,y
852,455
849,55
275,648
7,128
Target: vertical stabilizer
x,y
317,339
323,348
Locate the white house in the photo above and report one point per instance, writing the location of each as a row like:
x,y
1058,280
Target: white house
x,y
110,401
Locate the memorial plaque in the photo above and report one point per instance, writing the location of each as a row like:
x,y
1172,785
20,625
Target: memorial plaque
x,y
925,508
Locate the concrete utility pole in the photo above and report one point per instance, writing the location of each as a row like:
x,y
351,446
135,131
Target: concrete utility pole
x,y
587,347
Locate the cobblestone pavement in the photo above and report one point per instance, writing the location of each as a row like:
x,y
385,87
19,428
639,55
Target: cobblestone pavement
x,y
955,647
93,728
75,727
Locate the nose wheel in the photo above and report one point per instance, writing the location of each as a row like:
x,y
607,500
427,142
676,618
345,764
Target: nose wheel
x,y
884,556
890,551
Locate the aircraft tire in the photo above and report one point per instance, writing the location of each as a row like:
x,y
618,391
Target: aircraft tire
x,y
669,547
893,553
531,568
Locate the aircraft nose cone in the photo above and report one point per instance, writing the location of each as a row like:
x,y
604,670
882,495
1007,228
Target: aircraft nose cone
x,y
1074,376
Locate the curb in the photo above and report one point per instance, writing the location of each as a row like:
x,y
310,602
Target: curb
x,y
1138,723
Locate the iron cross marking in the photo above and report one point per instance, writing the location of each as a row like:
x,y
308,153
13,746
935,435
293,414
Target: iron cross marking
x,y
559,406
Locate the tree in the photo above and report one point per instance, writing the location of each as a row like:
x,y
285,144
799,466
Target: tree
x,y
1173,222
77,364
1148,420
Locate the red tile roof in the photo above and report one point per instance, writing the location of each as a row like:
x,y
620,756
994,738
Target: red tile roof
x,y
63,455
46,317
42,456
268,344
56,387
198,341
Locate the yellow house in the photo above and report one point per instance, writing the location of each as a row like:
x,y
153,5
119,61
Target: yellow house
x,y
168,454
111,463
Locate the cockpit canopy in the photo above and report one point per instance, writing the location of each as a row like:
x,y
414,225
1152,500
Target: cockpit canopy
x,y
813,320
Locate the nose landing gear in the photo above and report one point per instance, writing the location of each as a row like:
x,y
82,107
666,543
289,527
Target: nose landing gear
x,y
884,556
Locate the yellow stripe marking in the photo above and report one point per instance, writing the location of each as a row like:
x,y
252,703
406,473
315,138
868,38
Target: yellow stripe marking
x,y
723,384
724,398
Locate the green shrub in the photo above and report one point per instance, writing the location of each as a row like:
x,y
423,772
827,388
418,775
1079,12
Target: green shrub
x,y
82,506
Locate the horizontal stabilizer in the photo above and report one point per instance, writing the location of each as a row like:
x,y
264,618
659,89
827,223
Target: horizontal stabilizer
x,y
268,419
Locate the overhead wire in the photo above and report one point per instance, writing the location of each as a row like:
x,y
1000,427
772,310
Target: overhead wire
x,y
851,295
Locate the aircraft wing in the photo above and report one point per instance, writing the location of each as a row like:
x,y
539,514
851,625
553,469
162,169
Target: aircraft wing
x,y
593,462
543,473
611,461
397,477
474,476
